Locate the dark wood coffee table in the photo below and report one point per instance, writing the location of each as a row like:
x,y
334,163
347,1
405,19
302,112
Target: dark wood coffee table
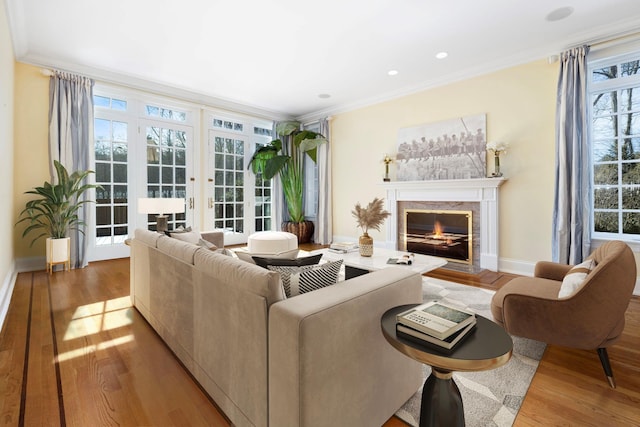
x,y
487,347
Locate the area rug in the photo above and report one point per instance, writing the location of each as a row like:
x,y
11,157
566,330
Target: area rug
x,y
493,397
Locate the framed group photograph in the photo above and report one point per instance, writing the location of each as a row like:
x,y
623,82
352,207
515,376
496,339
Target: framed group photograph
x,y
450,149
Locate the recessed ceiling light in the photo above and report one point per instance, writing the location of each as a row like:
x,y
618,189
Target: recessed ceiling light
x,y
560,13
393,72
324,96
441,55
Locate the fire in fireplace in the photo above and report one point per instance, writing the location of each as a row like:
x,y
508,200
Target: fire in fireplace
x,y
446,234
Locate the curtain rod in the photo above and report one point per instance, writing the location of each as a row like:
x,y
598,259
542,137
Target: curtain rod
x,y
614,41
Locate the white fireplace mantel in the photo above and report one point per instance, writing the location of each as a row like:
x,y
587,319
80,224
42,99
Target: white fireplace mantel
x,y
482,190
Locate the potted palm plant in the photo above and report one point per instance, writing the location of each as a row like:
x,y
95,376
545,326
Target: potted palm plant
x,y
284,157
55,212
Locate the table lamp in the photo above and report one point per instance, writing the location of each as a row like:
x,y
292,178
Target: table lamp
x,y
160,207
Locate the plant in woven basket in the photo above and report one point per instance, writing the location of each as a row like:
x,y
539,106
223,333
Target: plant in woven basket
x,y
370,217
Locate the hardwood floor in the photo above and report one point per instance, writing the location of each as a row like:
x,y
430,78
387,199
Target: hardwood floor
x,y
74,352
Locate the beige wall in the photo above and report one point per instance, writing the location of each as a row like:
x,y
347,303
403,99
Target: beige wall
x,y
6,159
30,150
520,106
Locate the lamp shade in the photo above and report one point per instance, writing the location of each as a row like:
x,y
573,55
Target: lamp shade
x,y
160,206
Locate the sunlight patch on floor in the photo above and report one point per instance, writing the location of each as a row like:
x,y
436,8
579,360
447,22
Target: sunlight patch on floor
x,y
100,316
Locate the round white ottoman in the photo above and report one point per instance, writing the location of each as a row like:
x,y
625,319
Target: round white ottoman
x,y
275,243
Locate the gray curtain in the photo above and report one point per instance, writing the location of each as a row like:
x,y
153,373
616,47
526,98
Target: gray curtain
x,y
571,212
324,228
70,140
278,195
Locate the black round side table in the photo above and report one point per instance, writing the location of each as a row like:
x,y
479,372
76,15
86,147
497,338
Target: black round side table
x,y
487,347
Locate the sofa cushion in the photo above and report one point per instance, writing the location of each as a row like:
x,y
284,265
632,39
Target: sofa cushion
x,y
297,262
192,237
206,244
575,278
307,278
184,251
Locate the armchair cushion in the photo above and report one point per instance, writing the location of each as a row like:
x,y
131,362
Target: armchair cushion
x,y
575,278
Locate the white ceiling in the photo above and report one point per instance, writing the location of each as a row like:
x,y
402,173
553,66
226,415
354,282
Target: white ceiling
x,y
279,55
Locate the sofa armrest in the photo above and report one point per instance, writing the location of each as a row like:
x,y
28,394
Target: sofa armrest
x,y
216,237
551,270
329,363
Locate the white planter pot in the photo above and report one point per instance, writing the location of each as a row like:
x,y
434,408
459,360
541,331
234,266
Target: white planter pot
x,y
58,252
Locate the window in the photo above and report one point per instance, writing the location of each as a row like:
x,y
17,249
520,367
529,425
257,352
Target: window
x,y
614,93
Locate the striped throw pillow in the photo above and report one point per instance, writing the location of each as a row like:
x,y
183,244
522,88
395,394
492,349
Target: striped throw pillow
x,y
307,278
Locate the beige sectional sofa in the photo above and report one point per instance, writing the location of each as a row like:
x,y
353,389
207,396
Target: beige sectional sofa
x,y
317,359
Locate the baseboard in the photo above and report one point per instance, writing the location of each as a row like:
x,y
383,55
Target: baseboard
x,y
6,290
37,263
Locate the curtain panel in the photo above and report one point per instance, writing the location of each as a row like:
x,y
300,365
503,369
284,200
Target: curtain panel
x,y
324,227
70,141
571,238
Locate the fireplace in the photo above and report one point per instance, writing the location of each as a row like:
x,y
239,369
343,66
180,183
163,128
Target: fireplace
x,y
442,233
478,195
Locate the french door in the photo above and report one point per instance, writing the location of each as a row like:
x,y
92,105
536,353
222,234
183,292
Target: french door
x,y
239,202
168,170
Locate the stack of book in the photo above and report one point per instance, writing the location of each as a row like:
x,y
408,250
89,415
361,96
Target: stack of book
x,y
435,323
343,247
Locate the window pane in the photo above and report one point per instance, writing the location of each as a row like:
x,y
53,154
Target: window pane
x,y
606,222
228,178
631,173
101,101
630,125
120,215
153,155
606,174
120,152
153,174
167,156
102,129
605,151
118,105
120,131
103,150
181,157
629,68
630,99
103,172
103,215
219,161
167,175
103,195
605,198
605,127
120,194
631,223
229,162
181,177
119,173
631,198
606,73
603,103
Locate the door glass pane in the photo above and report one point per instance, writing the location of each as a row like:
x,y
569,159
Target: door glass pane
x,y
111,157
166,165
228,190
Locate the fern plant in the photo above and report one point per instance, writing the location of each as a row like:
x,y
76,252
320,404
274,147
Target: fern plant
x,y
55,212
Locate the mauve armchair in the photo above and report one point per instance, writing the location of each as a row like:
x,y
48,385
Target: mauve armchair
x,y
592,318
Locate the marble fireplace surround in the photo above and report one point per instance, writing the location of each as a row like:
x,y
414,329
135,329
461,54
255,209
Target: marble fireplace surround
x,y
480,194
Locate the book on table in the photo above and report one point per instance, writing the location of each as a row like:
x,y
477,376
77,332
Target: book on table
x,y
403,260
447,344
436,318
343,247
